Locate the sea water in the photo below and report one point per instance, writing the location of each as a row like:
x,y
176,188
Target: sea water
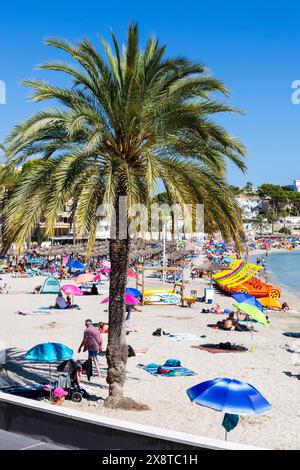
x,y
286,268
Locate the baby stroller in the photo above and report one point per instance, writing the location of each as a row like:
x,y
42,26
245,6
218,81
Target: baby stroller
x,y
69,380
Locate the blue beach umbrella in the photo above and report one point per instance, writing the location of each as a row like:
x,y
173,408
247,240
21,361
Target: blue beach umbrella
x,y
75,265
48,353
132,291
243,297
230,396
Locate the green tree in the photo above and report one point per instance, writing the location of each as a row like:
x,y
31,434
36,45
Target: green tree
x,y
130,120
248,188
285,230
280,195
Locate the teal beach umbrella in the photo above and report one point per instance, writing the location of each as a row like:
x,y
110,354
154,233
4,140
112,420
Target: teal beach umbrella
x,y
48,353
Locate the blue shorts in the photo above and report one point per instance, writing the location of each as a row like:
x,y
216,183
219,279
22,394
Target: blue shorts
x,y
93,353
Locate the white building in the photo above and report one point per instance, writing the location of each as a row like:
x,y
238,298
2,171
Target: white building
x,y
297,186
251,206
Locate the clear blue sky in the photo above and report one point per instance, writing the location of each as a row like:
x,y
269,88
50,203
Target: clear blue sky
x,y
253,46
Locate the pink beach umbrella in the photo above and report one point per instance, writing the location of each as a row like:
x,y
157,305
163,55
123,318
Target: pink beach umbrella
x,y
105,270
129,300
130,273
100,277
72,290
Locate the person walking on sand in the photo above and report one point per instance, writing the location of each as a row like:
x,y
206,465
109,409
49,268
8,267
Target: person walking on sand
x,y
92,342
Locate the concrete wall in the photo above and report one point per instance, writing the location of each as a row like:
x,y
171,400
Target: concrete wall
x,y
75,429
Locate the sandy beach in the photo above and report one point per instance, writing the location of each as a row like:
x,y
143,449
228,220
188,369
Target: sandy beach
x,y
272,367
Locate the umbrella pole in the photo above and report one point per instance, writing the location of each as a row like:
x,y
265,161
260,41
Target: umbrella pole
x,y
164,254
226,435
251,333
50,382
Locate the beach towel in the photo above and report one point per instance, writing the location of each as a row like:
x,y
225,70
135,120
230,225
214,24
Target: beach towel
x,y
164,371
217,327
33,312
292,334
35,392
217,348
183,337
245,322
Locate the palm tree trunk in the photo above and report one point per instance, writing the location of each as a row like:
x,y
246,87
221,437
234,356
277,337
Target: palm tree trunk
x,y
117,350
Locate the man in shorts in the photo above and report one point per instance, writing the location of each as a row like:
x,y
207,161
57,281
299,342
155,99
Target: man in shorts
x,y
92,342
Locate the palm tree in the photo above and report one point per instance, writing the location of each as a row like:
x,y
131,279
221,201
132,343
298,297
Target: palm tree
x,y
272,218
8,180
248,187
259,224
283,213
132,120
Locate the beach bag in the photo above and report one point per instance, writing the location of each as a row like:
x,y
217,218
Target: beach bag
x,y
172,363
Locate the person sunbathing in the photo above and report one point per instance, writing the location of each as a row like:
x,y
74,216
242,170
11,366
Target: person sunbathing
x,y
69,302
4,289
231,324
242,316
37,290
285,307
217,310
131,351
103,327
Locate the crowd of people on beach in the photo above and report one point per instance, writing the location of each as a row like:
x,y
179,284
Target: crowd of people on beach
x,y
93,334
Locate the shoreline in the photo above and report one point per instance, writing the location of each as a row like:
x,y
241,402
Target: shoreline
x,y
285,288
